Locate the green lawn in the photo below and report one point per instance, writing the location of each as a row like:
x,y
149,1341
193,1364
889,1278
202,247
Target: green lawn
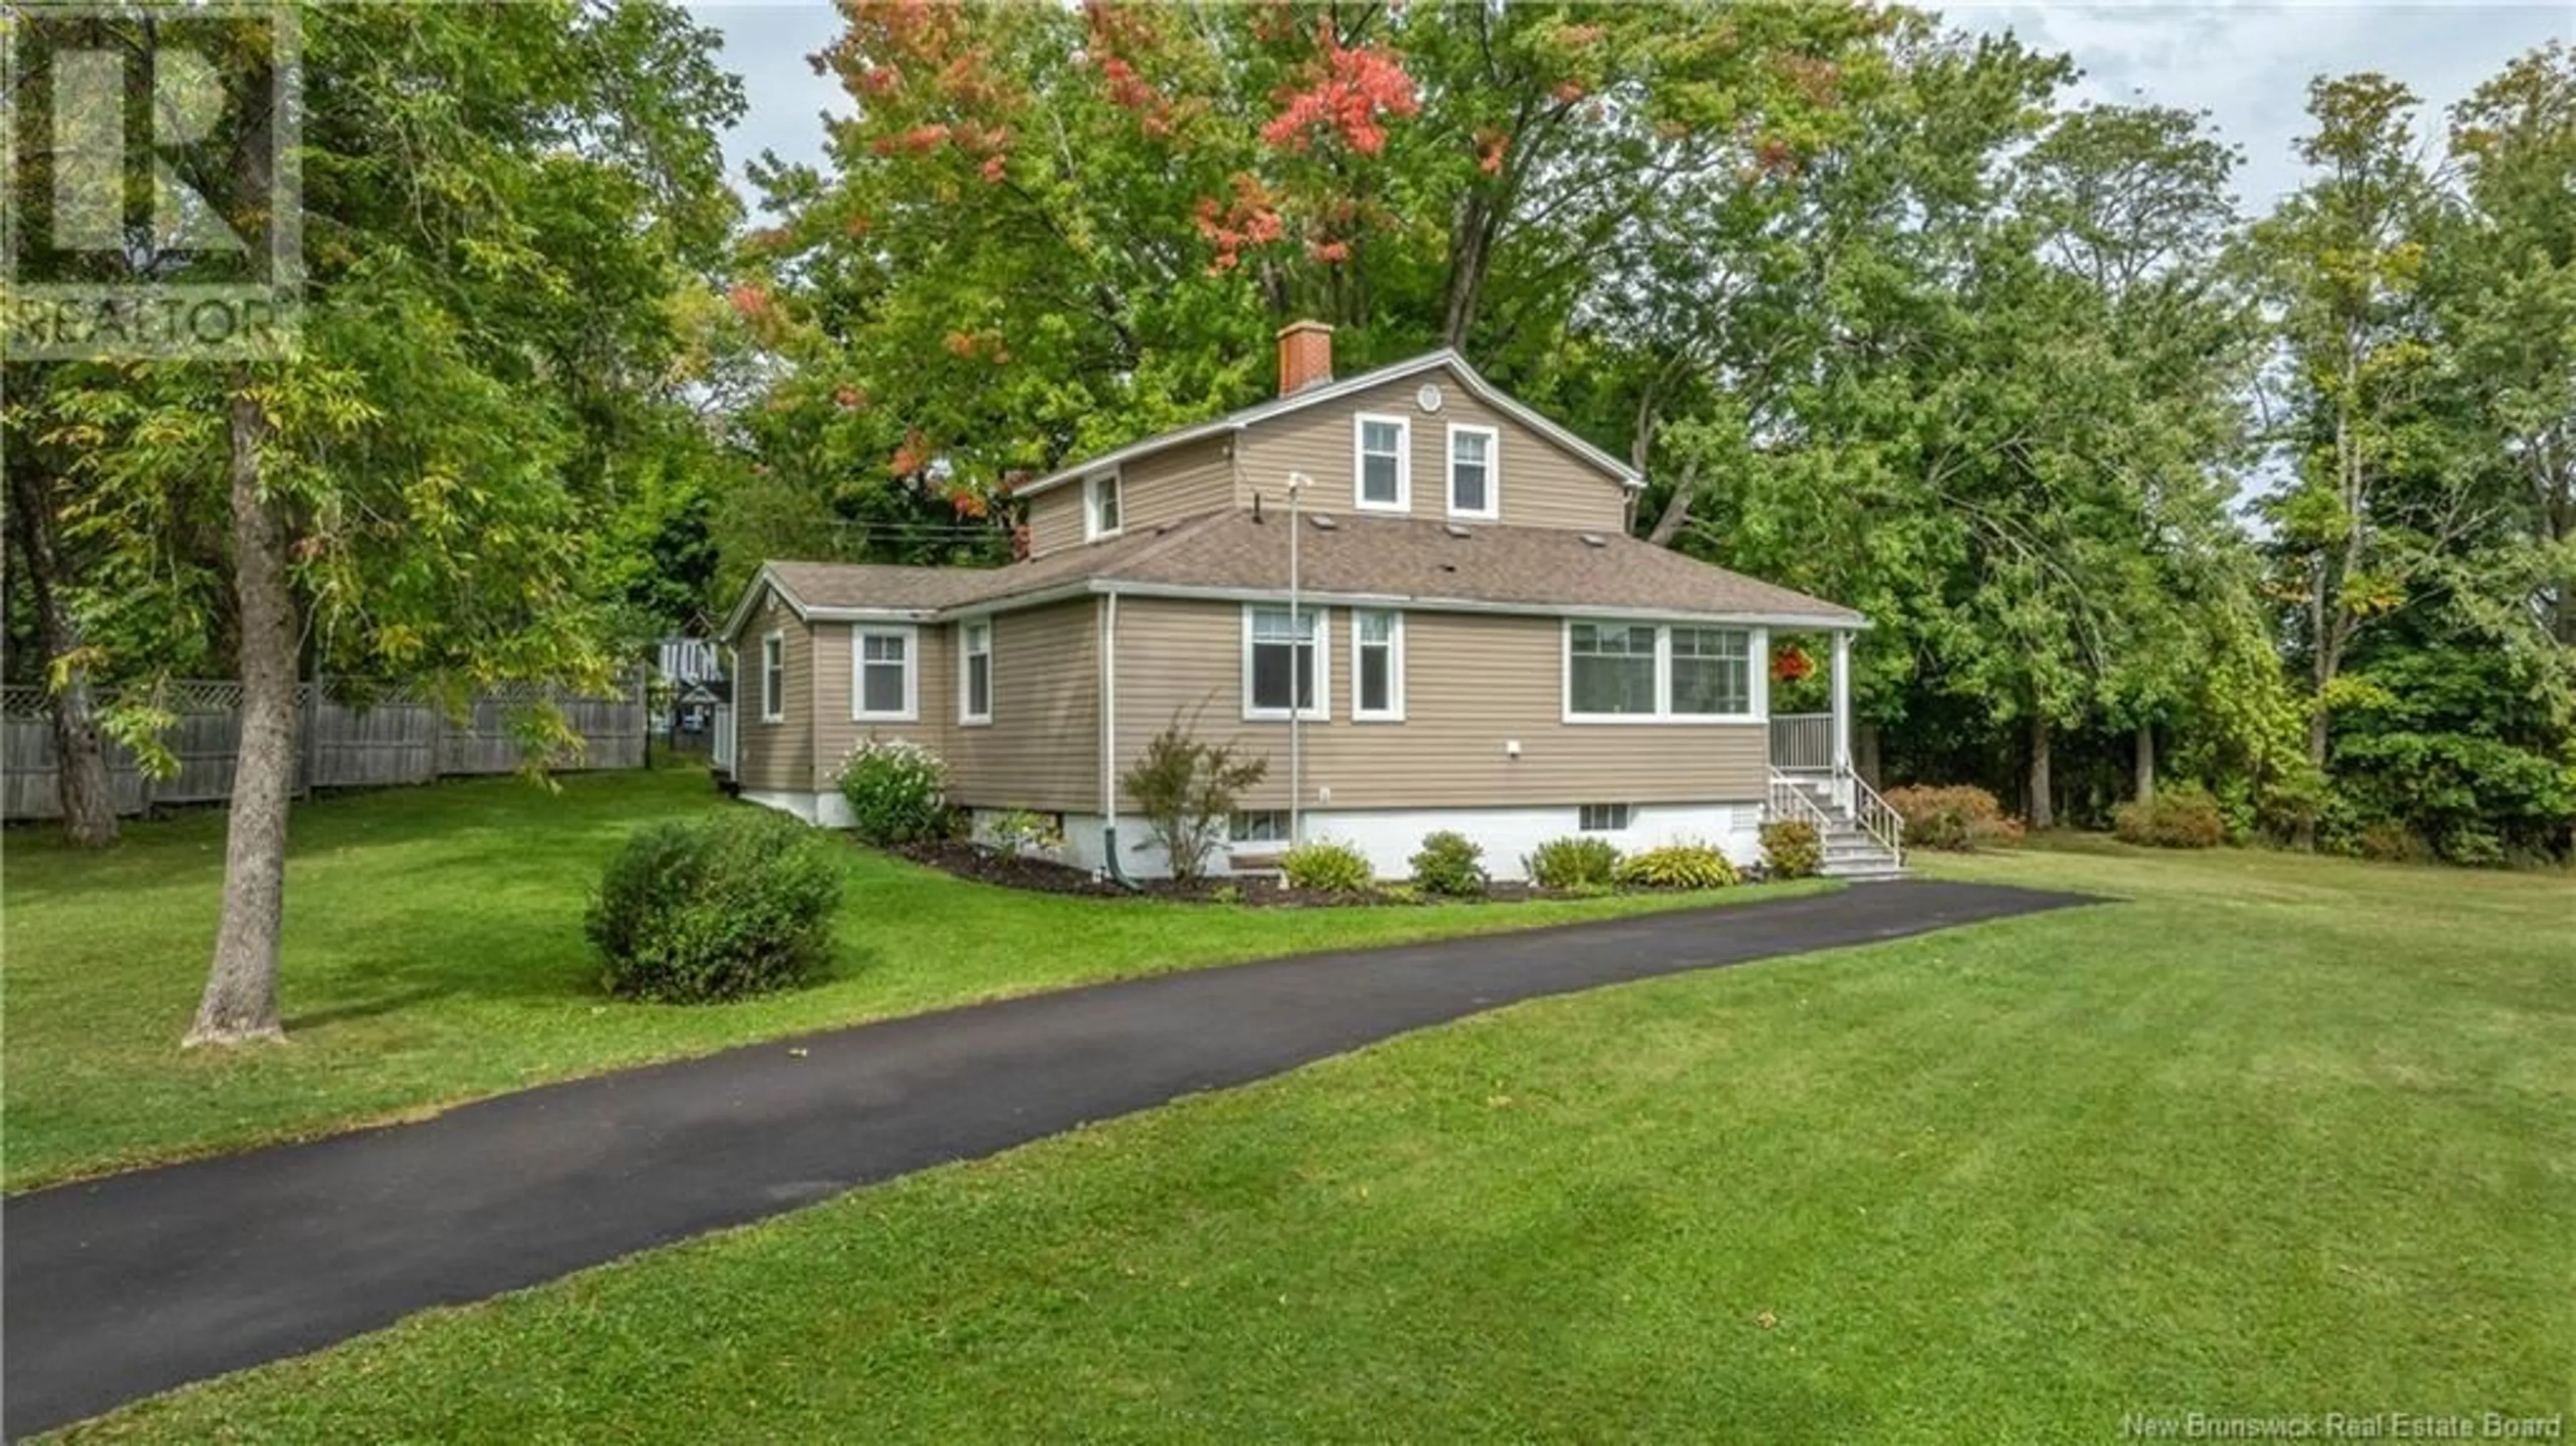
x,y
434,954
2277,1136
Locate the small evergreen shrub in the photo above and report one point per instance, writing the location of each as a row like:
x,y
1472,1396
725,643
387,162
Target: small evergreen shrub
x,y
1023,834
1327,866
1678,866
1187,790
1958,817
897,791
2175,818
1792,849
1450,865
717,908
1574,862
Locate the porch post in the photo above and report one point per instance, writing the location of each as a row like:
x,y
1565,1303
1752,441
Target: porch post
x,y
1842,719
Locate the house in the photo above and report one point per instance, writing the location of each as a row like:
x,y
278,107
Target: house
x,y
1415,595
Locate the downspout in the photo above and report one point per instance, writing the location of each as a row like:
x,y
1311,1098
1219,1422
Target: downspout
x,y
1109,744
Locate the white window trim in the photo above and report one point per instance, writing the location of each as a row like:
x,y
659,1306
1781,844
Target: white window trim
x,y
1322,709
1394,711
1757,689
1492,511
911,710
1403,462
1092,531
773,709
967,717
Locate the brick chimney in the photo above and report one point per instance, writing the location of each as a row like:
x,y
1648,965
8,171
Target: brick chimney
x,y
1305,355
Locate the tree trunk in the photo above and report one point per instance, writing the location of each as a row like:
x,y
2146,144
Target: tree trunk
x,y
2043,808
1668,525
2146,762
80,755
240,1003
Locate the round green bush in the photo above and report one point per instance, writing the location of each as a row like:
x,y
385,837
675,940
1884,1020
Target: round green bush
x,y
1678,866
716,908
1576,862
897,790
1791,848
1450,865
1327,866
2176,818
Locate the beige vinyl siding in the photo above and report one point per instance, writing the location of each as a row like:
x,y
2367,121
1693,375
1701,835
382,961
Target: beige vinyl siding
x,y
1042,749
835,730
1542,485
1165,487
1055,519
774,756
1473,682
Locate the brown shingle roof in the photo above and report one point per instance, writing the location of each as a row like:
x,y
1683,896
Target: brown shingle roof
x,y
1390,557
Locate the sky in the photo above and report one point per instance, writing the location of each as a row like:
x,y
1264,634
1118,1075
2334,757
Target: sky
x,y
2248,65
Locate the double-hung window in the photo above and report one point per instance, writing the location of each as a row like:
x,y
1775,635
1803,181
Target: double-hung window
x,y
975,672
1283,662
1628,672
1383,466
773,678
884,675
1610,670
1100,506
1377,665
1475,479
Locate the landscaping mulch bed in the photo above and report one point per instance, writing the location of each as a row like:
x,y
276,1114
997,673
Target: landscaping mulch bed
x,y
967,861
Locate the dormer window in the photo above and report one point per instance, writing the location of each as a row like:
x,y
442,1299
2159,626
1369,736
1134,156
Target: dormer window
x,y
1475,488
1100,506
1382,471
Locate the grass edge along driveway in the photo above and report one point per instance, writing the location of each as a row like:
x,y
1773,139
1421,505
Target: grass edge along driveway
x,y
2276,1138
434,955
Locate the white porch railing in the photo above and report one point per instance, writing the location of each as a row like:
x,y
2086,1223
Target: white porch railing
x,y
1789,801
1873,815
1802,742
724,737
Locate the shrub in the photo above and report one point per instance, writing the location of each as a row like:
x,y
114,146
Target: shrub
x,y
1022,834
715,908
2175,818
897,791
1792,849
1449,865
1186,791
1575,861
1959,817
1678,866
1327,866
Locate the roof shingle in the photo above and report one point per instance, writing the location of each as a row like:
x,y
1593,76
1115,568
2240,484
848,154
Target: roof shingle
x,y
1409,559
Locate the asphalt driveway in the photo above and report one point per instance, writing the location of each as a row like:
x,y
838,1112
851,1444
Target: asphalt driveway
x,y
120,1287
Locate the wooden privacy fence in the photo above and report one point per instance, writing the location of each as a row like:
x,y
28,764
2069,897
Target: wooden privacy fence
x,y
342,741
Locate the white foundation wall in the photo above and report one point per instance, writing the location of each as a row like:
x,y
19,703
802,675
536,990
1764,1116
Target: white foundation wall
x,y
823,810
1389,837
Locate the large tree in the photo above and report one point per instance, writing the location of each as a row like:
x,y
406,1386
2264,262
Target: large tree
x,y
498,202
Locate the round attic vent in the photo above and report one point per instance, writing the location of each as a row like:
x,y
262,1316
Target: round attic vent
x,y
1429,398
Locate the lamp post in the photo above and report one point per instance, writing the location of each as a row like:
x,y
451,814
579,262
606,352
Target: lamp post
x,y
1298,660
